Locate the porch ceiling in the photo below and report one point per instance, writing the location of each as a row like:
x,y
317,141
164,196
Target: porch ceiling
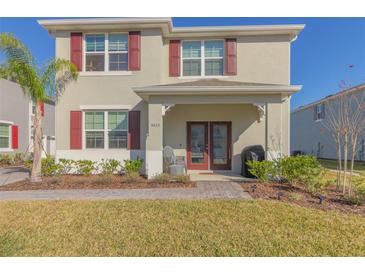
x,y
214,87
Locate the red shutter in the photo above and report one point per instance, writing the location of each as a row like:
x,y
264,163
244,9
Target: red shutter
x,y
75,130
42,108
134,50
76,49
134,132
231,56
174,58
14,137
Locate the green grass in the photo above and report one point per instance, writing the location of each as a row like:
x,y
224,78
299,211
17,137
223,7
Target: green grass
x,y
332,164
176,228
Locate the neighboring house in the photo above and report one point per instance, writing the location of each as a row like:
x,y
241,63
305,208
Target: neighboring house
x,y
16,114
208,92
309,126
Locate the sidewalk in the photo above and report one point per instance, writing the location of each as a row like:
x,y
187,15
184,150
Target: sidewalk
x,y
204,190
12,174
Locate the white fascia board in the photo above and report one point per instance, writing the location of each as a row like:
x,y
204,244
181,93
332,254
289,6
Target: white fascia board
x,y
6,122
165,24
105,107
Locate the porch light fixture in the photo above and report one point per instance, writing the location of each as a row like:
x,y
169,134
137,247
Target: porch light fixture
x,y
321,199
280,195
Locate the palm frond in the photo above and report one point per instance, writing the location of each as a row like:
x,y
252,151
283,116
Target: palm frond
x,y
57,75
14,49
27,78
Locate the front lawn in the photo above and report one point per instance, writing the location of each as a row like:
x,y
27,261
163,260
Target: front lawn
x,y
176,228
332,164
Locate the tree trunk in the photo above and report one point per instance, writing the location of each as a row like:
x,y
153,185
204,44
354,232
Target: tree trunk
x,y
345,152
37,146
353,151
339,166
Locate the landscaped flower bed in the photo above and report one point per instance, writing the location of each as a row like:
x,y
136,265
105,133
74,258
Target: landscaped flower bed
x,y
303,181
11,159
333,200
105,174
95,182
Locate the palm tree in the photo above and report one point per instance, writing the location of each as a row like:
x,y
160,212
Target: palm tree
x,y
38,84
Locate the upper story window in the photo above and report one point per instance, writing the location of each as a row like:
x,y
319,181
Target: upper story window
x,y
106,52
319,112
4,136
202,58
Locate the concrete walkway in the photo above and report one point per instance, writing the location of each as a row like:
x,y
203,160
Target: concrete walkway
x,y
12,174
204,190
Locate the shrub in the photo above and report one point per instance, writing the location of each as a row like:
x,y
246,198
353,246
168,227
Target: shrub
x,y
359,194
49,166
131,177
85,167
183,178
132,165
18,157
109,166
303,169
5,159
262,170
162,178
28,164
65,166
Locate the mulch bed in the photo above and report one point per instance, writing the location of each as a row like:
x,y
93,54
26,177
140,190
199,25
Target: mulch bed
x,y
90,182
333,200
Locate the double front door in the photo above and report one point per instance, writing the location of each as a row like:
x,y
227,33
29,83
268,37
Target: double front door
x,y
209,145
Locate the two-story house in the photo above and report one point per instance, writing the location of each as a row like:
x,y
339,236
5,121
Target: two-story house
x,y
311,124
207,92
16,121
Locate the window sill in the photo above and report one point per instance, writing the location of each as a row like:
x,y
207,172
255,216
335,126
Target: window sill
x,y
204,77
318,120
104,73
6,150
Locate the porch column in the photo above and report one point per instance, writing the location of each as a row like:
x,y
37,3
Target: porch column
x,y
154,142
274,133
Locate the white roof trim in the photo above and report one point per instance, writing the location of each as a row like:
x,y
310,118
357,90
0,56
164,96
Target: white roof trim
x,y
165,23
105,107
6,122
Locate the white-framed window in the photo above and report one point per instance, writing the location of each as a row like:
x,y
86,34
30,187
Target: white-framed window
x,y
319,112
4,136
105,52
202,58
106,129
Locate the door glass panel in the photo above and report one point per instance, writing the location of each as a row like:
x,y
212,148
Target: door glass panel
x,y
219,144
197,143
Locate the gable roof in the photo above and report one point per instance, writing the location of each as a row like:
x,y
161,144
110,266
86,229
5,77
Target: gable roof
x,y
359,87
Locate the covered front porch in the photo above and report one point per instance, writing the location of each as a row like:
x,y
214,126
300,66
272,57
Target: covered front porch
x,y
210,122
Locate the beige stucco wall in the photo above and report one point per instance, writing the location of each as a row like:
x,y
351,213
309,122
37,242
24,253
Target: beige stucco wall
x,y
264,59
260,59
107,89
246,130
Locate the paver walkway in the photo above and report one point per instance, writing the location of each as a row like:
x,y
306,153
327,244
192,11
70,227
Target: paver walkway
x,y
204,190
12,174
